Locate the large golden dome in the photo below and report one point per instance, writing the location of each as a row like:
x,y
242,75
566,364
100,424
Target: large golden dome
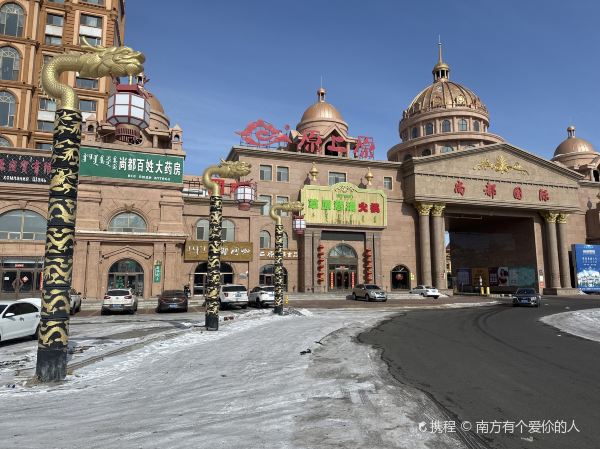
x,y
572,144
444,93
321,115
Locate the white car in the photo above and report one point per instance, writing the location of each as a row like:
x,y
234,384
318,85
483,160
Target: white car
x,y
18,319
233,294
262,295
119,300
426,291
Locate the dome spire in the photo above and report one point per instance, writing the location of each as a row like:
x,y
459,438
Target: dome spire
x,y
571,132
321,94
441,70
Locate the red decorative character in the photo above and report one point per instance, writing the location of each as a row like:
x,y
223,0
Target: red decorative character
x,y
2,166
36,167
517,193
24,165
459,188
490,190
12,166
363,207
334,148
544,195
311,142
375,208
365,148
47,167
262,134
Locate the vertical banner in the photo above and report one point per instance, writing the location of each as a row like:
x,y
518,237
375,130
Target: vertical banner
x,y
586,263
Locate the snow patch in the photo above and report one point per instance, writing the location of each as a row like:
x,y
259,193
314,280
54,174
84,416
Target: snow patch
x,y
582,323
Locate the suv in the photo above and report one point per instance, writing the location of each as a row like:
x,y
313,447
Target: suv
x,y
426,291
119,300
263,295
233,294
75,300
369,292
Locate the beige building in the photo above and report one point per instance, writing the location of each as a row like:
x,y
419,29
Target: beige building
x,y
494,213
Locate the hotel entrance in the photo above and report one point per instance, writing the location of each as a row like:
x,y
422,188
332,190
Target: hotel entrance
x,y
21,277
342,266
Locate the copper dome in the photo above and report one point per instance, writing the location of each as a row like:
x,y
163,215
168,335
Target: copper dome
x,y
572,144
321,113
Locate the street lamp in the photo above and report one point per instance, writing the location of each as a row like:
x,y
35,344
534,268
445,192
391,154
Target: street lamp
x,y
53,336
295,206
226,169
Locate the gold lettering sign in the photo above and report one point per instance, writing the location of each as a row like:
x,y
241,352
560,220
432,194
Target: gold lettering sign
x,y
501,165
197,250
344,204
269,253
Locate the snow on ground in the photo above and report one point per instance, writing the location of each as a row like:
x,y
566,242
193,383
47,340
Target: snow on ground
x,y
583,323
245,386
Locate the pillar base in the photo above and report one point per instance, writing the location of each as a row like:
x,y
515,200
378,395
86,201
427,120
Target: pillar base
x,y
278,310
211,322
51,365
561,291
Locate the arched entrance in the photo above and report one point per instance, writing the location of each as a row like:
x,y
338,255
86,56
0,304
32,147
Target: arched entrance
x,y
266,276
200,276
341,267
400,277
127,273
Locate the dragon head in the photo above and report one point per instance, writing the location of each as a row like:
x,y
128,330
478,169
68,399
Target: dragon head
x,y
292,206
233,169
112,61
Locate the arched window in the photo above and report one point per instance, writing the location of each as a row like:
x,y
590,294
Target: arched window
x,y
462,125
8,106
342,251
415,132
446,126
11,20
265,239
202,229
228,231
285,240
476,125
426,152
447,149
9,64
428,128
4,142
407,157
400,277
127,222
22,225
469,145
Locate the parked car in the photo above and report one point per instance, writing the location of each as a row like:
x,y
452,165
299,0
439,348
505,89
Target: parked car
x,y
426,291
526,297
233,294
369,292
119,300
75,300
18,319
262,295
172,300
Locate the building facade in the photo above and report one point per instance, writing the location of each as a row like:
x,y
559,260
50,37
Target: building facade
x,y
454,205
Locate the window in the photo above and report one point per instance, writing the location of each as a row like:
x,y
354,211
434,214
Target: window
x,y
91,21
228,231
127,222
47,58
387,182
266,173
45,126
415,132
94,2
11,20
202,229
407,157
335,177
267,207
428,129
446,126
22,225
86,83
470,145
9,64
55,20
87,105
265,239
462,125
426,152
4,142
8,105
53,40
447,149
283,174
281,200
476,125
47,104
92,40
285,240
43,146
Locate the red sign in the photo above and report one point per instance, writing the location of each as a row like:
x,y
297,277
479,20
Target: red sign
x,y
517,193
365,148
459,188
490,190
334,148
263,134
544,195
311,142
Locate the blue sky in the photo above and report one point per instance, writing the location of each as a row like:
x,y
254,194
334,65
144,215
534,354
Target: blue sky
x,y
218,65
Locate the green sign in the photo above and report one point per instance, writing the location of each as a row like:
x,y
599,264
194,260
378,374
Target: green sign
x,y
105,163
157,271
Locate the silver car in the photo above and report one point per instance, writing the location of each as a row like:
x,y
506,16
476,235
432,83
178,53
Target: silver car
x,y
262,295
119,300
369,292
426,291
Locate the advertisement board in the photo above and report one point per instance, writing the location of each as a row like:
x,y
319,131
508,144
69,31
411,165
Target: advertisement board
x,y
197,250
586,264
24,169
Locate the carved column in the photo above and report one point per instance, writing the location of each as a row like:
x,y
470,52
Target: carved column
x,y
552,247
563,250
425,251
438,245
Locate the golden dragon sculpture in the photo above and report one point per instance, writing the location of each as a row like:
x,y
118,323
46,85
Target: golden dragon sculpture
x,y
293,206
96,62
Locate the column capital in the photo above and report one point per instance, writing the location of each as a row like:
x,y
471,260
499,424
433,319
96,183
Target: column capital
x,y
562,218
438,209
423,208
549,216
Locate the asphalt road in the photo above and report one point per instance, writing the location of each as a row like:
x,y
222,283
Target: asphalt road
x,y
500,363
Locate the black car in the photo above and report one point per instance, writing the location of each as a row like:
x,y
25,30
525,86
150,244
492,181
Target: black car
x,y
172,300
526,297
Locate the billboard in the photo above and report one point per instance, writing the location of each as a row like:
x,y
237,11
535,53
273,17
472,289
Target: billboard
x,y
586,263
24,169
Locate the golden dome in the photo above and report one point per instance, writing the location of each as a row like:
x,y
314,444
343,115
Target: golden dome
x,y
572,144
155,105
321,113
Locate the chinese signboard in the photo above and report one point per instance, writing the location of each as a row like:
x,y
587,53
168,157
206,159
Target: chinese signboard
x,y
344,204
24,169
230,251
288,254
105,163
586,260
157,271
